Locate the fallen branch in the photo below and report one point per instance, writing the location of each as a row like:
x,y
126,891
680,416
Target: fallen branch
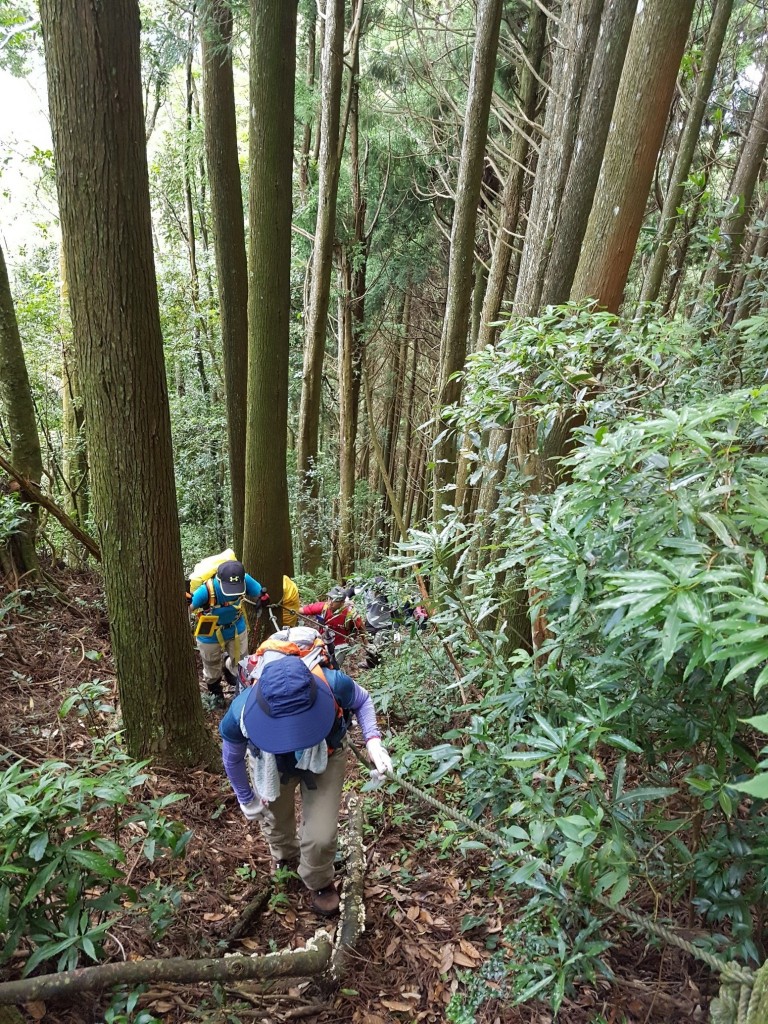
x,y
313,959
247,915
352,923
36,495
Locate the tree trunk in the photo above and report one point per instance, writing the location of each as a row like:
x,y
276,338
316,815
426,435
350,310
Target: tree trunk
x,y
267,543
577,36
314,344
74,449
642,104
572,215
228,237
684,158
306,140
94,89
453,343
19,415
742,190
512,195
347,418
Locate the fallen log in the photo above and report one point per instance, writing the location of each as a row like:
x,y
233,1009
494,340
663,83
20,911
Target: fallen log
x,y
312,960
352,922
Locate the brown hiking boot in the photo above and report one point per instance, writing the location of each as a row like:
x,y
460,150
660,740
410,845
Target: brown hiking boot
x,y
326,901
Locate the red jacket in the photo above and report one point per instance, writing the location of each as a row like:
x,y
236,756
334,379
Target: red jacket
x,y
343,622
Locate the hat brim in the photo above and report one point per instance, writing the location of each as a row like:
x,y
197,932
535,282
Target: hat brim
x,y
291,732
232,589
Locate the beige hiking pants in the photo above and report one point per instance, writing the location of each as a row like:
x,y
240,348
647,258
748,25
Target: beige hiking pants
x,y
211,654
315,846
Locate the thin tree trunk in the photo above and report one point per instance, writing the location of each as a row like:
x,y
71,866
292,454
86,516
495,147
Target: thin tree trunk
x,y
347,420
94,88
267,540
453,343
314,344
229,238
74,450
742,189
408,438
642,103
688,142
309,78
19,415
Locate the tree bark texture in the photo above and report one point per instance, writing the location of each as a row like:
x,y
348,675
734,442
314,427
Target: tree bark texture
x,y
18,412
640,114
267,547
741,192
577,36
325,229
688,142
94,89
572,215
229,238
453,342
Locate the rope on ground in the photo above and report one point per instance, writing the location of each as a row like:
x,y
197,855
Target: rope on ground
x,y
743,997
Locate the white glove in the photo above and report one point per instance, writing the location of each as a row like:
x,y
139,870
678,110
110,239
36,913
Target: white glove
x,y
378,754
257,810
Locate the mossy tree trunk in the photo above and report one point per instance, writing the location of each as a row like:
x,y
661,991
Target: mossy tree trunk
x,y
97,119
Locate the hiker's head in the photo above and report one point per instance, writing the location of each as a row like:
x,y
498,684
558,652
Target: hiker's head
x,y
289,708
231,577
337,596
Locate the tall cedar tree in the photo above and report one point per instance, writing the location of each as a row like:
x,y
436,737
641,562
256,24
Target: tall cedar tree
x,y
95,98
640,114
684,158
18,414
453,342
267,542
229,237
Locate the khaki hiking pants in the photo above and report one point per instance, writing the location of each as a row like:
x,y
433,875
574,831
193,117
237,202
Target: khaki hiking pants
x,y
315,846
211,654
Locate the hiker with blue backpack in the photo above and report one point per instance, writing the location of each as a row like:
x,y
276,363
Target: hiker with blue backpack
x,y
221,627
288,729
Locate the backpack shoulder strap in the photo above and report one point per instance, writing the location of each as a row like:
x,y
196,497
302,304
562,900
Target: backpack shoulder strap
x,y
211,592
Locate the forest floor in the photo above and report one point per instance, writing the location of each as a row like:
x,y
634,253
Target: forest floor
x,y
432,916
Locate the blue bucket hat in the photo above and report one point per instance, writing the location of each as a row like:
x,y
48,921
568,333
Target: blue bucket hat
x,y
289,708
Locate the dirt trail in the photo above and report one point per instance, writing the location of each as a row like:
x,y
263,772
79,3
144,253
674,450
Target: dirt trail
x,y
431,915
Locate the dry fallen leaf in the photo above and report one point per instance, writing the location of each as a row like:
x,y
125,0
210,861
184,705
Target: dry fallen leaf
x,y
412,913
462,959
394,1004
35,1009
213,917
446,959
470,950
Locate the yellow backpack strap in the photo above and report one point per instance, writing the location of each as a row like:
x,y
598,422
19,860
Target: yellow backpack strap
x,y
209,586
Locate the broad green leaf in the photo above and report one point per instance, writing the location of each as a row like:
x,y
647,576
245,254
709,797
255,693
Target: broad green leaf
x,y
757,787
645,794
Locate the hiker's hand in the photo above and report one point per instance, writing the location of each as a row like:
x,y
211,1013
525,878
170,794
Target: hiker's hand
x,y
378,754
257,810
